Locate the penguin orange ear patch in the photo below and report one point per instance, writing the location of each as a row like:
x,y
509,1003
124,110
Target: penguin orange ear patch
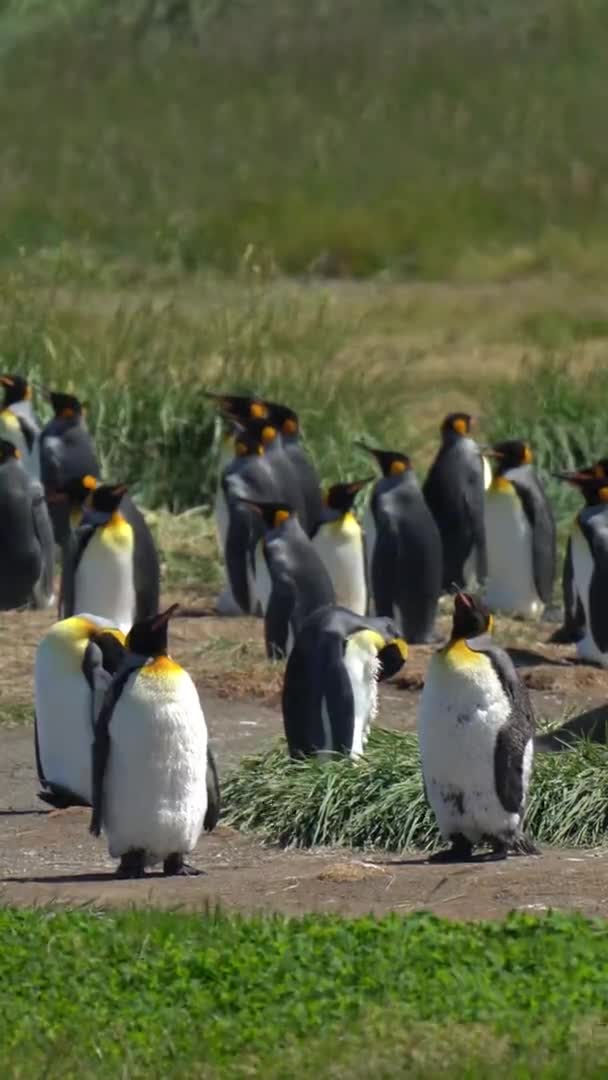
x,y
528,456
6,380
397,467
89,482
280,517
460,425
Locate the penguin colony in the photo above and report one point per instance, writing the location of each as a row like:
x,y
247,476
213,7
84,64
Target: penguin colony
x,y
119,725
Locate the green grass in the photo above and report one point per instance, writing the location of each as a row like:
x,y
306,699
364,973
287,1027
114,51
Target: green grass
x,y
146,994
379,801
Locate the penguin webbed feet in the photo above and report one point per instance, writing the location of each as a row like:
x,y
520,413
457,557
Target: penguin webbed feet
x,y
132,864
460,851
176,866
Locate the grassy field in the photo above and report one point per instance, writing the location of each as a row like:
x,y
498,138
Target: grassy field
x,y
142,994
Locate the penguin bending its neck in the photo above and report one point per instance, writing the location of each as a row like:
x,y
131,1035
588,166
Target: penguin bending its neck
x,y
110,565
520,533
18,423
404,548
454,491
155,783
476,734
74,665
338,539
330,692
589,554
291,580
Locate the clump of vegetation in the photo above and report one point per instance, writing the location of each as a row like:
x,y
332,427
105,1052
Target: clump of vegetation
x,y
379,801
146,994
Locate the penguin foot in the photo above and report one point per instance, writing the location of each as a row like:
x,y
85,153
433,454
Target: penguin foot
x,y
132,864
175,866
564,636
460,851
61,798
521,844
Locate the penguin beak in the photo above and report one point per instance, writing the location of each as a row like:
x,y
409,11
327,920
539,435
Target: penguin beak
x,y
463,600
6,380
490,452
119,490
357,485
163,617
580,476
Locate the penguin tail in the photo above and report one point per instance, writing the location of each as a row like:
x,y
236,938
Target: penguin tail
x,y
60,798
522,844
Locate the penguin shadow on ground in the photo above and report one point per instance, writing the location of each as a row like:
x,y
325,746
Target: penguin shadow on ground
x,y
522,657
10,813
591,725
98,876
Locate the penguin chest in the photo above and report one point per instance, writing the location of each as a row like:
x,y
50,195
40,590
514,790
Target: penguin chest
x,y
510,586
63,706
340,547
362,667
155,793
462,709
261,587
104,583
582,568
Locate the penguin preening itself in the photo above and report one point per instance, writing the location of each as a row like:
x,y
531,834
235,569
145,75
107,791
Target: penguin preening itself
x,y
74,665
520,535
291,580
476,733
27,552
338,539
66,453
110,563
330,690
18,423
589,552
454,491
404,548
155,784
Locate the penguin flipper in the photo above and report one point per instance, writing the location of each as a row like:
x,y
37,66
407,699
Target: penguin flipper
x,y
101,739
339,701
213,793
43,590
573,627
71,554
385,562
475,504
236,553
276,620
29,431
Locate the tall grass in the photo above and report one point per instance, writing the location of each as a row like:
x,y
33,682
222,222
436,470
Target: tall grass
x,y
344,137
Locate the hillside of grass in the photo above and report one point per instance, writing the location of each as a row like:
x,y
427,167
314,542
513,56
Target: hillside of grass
x,y
163,995
426,137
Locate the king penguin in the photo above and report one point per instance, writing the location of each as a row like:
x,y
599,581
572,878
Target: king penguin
x,y
74,665
66,452
155,783
338,539
18,423
454,491
110,565
476,735
27,552
288,424
589,552
404,548
291,580
520,534
330,689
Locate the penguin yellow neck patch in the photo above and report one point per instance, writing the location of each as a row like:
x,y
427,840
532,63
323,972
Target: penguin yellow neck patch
x,y
162,667
457,654
501,486
370,640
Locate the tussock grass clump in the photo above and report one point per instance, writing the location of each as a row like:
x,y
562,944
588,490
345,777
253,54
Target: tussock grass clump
x,y
379,802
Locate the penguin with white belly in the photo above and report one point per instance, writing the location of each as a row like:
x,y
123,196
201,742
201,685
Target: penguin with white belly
x,y
18,423
589,550
66,452
338,539
290,578
404,548
26,538
74,665
154,779
520,535
454,491
330,690
476,734
110,564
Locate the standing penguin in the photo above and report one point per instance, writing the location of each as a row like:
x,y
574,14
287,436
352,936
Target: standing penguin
x,y
74,665
330,691
154,779
338,539
18,423
66,452
27,552
404,548
476,734
291,580
454,491
288,424
589,550
110,565
520,534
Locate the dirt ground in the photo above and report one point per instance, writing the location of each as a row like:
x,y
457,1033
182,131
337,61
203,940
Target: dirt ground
x,y
50,856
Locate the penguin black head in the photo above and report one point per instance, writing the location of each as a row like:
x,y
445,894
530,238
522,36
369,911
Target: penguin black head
x,y
391,462
106,498
16,388
273,514
600,468
457,423
8,451
65,405
75,490
392,658
510,455
254,437
241,407
471,618
592,486
283,418
149,637
342,496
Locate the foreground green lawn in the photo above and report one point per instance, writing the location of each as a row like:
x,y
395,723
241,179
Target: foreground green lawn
x,y
140,994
